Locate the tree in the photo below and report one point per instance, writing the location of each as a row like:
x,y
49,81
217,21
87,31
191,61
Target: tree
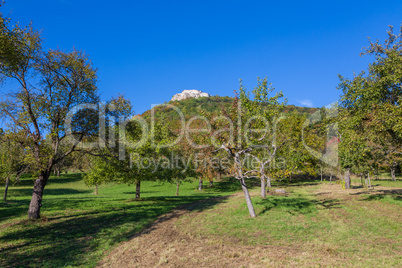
x,y
11,161
371,106
51,83
252,121
261,115
298,160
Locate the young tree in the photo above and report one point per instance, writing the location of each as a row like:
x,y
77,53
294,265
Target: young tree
x,y
254,123
11,161
262,115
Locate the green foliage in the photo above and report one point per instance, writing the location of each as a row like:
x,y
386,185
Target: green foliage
x,y
11,158
212,105
371,109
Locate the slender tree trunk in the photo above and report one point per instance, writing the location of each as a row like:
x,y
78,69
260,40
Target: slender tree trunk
x,y
269,182
58,173
177,188
96,189
200,184
248,198
369,181
137,189
263,187
321,174
211,183
6,189
347,179
393,177
36,200
330,178
54,171
365,181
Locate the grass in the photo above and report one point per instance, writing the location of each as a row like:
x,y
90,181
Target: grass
x,y
314,225
77,227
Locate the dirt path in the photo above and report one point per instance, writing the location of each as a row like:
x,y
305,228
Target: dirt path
x,y
163,245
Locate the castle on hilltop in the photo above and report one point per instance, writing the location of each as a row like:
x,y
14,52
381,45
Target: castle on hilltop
x,y
188,94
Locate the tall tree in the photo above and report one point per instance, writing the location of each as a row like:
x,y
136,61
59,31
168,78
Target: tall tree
x,y
51,83
371,103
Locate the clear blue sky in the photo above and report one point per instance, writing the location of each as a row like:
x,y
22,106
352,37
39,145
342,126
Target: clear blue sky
x,y
164,47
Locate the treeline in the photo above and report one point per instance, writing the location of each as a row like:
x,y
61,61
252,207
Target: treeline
x,y
55,121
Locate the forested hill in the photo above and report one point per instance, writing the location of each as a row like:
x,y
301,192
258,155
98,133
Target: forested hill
x,y
214,105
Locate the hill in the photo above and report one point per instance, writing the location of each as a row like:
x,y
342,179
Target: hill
x,y
213,104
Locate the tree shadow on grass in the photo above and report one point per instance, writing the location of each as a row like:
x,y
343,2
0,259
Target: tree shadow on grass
x,y
202,205
28,179
229,184
380,192
142,192
72,239
382,196
16,208
48,192
65,178
395,194
296,205
13,208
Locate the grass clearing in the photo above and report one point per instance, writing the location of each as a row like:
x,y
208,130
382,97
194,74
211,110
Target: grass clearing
x,y
313,224
317,224
78,227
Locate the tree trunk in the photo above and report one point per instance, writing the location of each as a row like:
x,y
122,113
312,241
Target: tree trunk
x,y
365,181
177,188
369,181
361,180
330,178
6,189
96,189
211,183
263,187
54,171
248,198
347,179
321,174
393,177
269,182
36,200
137,189
58,173
200,184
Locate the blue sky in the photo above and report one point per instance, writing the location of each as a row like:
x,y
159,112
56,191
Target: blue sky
x,y
151,50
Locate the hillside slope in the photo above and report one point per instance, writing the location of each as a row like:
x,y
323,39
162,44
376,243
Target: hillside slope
x,y
214,105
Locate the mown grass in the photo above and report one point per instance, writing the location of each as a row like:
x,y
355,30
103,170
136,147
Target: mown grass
x,y
322,224
77,227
